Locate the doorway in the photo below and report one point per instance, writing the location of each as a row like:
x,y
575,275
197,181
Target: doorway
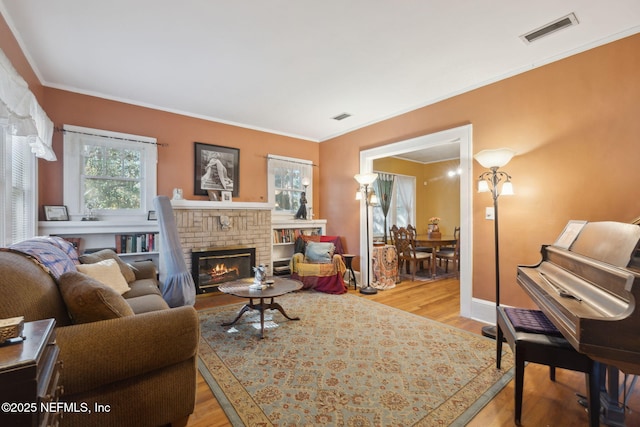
x,y
462,135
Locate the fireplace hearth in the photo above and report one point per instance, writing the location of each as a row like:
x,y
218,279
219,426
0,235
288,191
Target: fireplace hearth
x,y
214,266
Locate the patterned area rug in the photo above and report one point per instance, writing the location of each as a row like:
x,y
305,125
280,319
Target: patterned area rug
x,y
347,362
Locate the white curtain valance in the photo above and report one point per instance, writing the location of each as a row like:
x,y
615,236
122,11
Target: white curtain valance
x,y
21,113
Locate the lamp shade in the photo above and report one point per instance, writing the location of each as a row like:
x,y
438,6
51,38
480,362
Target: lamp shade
x,y
305,182
507,189
495,158
366,178
483,186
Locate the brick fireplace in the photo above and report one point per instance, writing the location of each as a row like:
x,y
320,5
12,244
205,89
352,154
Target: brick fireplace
x,y
204,225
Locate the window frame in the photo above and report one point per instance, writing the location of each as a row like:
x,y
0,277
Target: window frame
x,y
306,168
75,137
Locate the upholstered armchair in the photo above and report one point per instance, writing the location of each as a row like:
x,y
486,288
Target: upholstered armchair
x,y
319,265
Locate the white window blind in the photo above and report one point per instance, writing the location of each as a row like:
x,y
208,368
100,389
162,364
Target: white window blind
x,y
19,205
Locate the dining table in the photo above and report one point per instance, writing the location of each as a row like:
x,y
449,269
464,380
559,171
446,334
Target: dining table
x,y
428,241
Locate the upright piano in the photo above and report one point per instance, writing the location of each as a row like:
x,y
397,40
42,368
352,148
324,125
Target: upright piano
x,y
588,285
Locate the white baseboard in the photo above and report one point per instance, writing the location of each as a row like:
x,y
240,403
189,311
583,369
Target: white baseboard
x,y
483,311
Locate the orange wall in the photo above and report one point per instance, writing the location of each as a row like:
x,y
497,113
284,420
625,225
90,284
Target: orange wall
x,y
12,50
575,126
177,134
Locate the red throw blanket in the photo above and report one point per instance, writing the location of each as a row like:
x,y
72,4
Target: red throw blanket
x,y
325,278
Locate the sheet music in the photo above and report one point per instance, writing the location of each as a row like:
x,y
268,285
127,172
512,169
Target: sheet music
x,y
569,234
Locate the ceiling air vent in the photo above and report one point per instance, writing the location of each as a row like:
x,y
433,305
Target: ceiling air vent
x,y
341,116
552,27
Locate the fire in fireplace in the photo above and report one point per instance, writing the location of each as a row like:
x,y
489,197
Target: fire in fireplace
x,y
213,266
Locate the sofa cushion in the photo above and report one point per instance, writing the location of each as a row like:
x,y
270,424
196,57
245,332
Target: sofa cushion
x,y
88,300
95,257
319,252
108,273
142,287
147,303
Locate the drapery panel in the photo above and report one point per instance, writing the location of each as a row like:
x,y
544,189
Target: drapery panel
x,y
384,188
21,114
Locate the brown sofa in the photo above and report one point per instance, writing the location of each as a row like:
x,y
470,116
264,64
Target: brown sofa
x,y
142,365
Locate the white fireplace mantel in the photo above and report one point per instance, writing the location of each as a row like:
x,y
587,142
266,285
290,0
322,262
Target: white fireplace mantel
x,y
206,204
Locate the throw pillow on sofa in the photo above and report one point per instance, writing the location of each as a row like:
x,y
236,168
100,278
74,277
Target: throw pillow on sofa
x,y
92,258
106,272
88,300
319,252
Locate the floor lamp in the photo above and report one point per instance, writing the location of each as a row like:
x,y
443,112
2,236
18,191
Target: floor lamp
x,y
488,182
366,180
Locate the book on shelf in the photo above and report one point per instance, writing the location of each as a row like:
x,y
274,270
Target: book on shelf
x,y
136,242
289,235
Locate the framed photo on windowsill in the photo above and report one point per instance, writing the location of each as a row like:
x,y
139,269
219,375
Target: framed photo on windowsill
x,y
56,213
216,168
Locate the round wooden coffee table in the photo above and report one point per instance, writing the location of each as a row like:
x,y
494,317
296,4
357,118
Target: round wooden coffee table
x,y
240,288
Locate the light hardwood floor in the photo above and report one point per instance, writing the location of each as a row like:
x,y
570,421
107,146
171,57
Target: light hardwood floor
x,y
545,403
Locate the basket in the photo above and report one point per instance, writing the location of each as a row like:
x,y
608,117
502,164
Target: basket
x,y
11,328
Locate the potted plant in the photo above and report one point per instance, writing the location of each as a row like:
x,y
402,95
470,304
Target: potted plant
x,y
434,229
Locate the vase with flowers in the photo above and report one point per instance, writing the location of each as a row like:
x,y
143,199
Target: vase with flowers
x,y
434,228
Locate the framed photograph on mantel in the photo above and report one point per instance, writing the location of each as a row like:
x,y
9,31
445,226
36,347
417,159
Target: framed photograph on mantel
x,y
216,168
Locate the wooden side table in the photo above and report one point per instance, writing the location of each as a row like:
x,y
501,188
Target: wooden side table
x,y
29,376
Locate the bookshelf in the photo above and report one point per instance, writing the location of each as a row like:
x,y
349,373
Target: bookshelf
x,y
284,234
132,240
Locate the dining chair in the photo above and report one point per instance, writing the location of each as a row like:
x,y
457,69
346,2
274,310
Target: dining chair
x,y
412,229
450,248
407,254
446,255
392,230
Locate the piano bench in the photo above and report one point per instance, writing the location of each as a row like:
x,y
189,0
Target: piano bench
x,y
533,338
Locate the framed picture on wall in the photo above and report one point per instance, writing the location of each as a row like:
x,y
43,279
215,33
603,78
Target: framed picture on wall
x,y
216,168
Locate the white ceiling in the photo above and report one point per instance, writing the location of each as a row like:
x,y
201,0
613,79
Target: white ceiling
x,y
446,150
288,67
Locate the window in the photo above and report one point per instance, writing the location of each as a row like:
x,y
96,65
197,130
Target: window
x,y
287,179
402,211
108,173
25,130
18,171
